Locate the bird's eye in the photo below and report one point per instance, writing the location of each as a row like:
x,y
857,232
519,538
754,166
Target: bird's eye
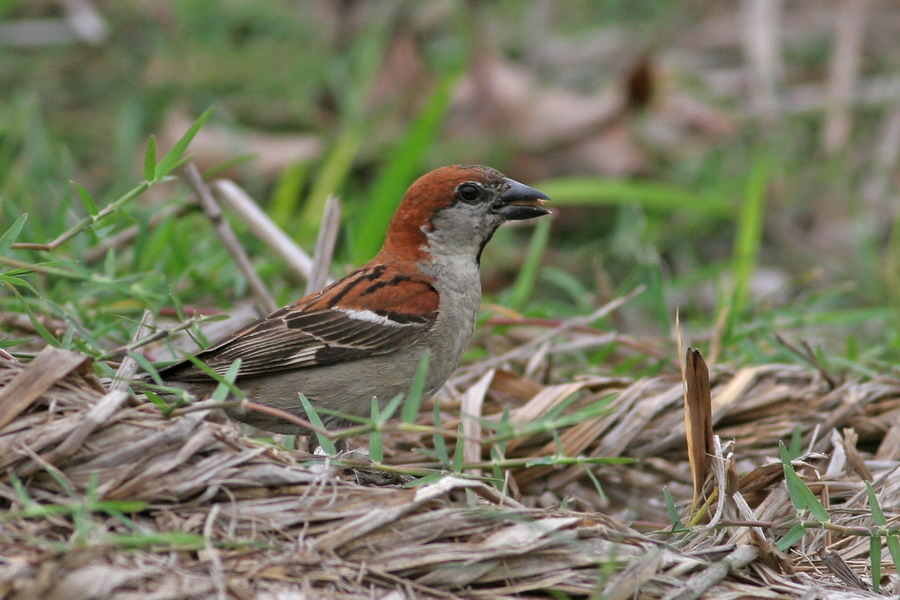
x,y
469,192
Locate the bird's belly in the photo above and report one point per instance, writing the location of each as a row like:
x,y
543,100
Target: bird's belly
x,y
346,388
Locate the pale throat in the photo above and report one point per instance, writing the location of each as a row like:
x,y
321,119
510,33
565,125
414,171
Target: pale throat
x,y
444,242
456,274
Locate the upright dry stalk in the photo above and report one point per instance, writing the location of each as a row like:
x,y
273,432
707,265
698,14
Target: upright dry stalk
x,y
229,239
762,48
844,74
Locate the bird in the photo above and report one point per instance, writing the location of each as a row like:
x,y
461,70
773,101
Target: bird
x,y
364,335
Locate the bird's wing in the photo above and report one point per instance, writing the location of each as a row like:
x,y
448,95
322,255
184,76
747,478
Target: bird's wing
x,y
325,328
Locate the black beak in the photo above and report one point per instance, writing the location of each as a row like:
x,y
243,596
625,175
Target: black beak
x,y
520,202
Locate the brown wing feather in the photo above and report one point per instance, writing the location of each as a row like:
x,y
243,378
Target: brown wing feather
x,y
318,330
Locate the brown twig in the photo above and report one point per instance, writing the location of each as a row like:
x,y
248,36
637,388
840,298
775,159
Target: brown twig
x,y
325,243
263,227
286,416
139,342
807,354
229,239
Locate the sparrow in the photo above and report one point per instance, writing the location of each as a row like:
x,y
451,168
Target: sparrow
x,y
364,335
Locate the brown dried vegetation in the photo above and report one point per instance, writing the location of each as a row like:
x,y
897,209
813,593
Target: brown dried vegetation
x,y
220,515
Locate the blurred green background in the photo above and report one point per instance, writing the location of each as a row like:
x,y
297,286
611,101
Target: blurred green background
x,y
738,159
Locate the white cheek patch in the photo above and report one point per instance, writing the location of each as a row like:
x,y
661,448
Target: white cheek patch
x,y
369,317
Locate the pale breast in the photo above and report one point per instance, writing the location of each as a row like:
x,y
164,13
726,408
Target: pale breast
x,y
458,283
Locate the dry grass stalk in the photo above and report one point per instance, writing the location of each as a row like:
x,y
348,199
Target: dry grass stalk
x,y
697,421
264,228
325,243
212,209
221,514
762,46
850,21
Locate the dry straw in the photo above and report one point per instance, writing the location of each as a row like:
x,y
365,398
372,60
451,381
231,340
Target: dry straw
x,y
104,497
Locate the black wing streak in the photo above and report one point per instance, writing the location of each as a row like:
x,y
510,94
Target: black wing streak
x,y
374,274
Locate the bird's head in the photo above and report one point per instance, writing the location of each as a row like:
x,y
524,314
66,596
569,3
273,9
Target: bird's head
x,y
456,209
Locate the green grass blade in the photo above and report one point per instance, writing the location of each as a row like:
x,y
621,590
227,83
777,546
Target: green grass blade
x,y
63,483
600,191
406,160
801,496
875,562
117,514
749,232
150,160
222,380
224,387
893,544
147,366
598,487
496,471
440,444
414,398
815,507
795,495
180,540
791,537
90,206
16,281
388,411
877,513
458,451
161,405
543,461
314,418
672,510
283,204
376,446
351,79
10,235
796,440
175,156
21,492
424,480
893,540
331,176
35,322
120,506
528,272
